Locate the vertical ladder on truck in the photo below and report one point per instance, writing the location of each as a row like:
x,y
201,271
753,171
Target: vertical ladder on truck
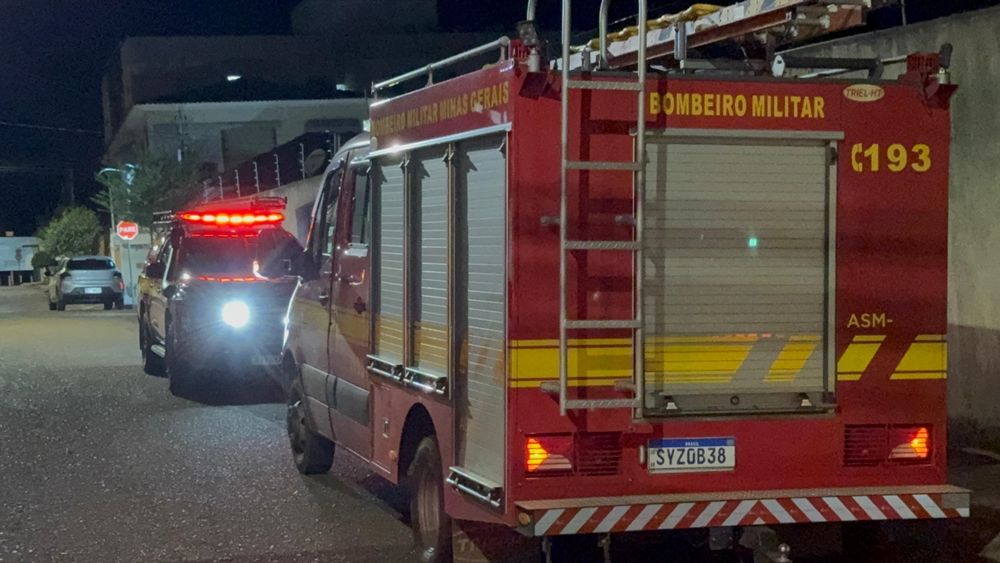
x,y
637,167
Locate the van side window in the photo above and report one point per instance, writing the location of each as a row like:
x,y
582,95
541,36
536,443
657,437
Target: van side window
x,y
360,206
330,213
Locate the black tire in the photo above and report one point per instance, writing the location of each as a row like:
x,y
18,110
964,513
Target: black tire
x,y
312,453
108,305
60,304
151,363
52,305
119,303
430,523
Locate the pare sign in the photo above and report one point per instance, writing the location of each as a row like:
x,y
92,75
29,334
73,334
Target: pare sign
x,y
127,230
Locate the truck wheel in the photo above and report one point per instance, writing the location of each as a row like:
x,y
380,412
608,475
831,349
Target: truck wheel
x,y
119,303
431,525
312,453
108,305
60,304
52,305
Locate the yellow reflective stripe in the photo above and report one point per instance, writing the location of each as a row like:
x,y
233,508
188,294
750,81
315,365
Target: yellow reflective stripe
x,y
926,358
869,338
858,356
790,361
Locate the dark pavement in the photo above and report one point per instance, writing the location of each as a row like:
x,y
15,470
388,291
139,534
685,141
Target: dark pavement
x,y
100,463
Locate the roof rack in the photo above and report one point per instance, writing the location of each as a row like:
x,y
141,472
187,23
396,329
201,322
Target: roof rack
x,y
762,26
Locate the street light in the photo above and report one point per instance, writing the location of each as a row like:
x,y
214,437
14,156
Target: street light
x,y
127,173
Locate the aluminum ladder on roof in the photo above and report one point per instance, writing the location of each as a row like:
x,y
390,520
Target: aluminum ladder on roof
x,y
637,167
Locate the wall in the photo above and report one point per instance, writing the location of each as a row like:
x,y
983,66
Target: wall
x,y
16,253
974,279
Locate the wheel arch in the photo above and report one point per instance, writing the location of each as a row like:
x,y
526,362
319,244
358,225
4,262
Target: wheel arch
x,y
418,425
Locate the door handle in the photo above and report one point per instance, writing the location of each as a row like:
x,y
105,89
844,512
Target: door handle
x,y
324,298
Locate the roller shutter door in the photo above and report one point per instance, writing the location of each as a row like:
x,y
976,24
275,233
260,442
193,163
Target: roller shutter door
x,y
389,321
735,274
430,316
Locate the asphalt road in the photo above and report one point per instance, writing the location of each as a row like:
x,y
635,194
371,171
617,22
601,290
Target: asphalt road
x,y
100,463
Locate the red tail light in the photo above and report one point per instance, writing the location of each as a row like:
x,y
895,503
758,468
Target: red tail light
x,y
548,453
910,443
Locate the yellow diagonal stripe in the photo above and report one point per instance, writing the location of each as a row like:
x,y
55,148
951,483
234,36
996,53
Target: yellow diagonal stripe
x,y
790,361
926,358
858,356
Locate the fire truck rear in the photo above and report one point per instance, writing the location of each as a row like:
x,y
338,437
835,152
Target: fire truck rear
x,y
624,301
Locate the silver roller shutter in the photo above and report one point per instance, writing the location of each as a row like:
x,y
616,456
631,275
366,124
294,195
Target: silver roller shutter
x,y
735,267
482,171
389,322
430,322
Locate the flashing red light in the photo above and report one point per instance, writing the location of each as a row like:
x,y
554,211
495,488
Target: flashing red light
x,y
224,219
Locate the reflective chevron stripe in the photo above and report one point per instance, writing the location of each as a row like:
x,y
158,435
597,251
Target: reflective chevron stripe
x,y
747,512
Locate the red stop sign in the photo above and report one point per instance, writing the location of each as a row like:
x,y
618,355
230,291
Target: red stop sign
x,y
127,230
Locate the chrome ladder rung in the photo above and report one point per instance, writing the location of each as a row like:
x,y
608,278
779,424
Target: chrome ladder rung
x,y
602,323
605,85
602,165
601,245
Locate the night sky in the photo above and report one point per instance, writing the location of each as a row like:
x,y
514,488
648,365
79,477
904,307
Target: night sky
x,y
53,54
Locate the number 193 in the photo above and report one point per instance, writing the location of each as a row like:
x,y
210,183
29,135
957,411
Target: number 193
x,y
894,158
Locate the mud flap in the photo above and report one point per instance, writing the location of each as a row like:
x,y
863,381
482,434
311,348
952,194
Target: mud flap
x,y
476,542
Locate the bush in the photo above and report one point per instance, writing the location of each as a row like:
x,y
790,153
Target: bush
x,y
42,259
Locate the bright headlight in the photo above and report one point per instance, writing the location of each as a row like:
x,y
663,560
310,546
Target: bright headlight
x,y
236,314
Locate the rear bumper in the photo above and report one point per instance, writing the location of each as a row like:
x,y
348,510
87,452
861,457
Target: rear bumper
x,y
79,295
752,508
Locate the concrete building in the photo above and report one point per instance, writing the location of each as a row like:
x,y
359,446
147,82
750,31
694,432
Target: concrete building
x,y
974,292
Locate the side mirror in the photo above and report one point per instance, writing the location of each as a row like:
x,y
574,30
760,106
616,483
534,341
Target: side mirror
x,y
156,271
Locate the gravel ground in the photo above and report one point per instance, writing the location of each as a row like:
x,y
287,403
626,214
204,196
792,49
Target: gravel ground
x,y
100,463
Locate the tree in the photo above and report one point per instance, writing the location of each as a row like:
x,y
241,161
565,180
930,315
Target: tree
x,y
74,231
136,191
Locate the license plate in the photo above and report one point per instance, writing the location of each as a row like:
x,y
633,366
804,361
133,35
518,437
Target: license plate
x,y
92,290
266,359
686,455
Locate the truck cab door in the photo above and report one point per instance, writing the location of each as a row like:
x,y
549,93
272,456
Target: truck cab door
x,y
349,332
311,309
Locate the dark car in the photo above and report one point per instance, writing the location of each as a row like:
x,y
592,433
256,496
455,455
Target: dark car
x,y
214,296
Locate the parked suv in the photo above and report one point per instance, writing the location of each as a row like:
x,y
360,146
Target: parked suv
x,y
86,279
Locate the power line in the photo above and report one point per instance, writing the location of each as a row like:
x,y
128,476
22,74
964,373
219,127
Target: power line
x,y
50,128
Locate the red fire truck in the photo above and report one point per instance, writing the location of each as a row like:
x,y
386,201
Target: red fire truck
x,y
600,300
